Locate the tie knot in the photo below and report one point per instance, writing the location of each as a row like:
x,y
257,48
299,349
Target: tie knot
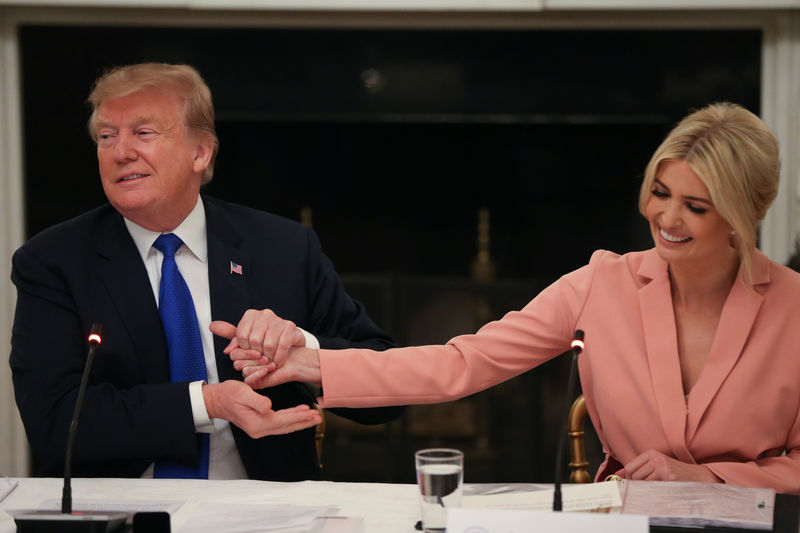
x,y
168,244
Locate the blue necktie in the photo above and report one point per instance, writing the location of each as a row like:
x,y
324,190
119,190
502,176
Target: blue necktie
x,y
186,361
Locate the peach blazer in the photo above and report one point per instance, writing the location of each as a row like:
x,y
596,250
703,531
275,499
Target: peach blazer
x,y
738,420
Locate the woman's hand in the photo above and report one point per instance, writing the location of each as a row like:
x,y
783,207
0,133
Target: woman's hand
x,y
655,466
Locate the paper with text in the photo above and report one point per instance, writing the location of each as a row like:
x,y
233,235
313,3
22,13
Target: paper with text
x,y
579,497
674,503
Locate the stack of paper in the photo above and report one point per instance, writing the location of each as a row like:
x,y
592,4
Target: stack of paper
x,y
604,497
666,503
673,503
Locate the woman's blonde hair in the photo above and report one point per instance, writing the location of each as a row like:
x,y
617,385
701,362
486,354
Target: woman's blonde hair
x,y
736,156
183,80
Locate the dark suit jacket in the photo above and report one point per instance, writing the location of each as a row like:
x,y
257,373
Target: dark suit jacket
x,y
88,270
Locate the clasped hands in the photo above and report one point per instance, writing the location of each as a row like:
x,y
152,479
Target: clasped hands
x,y
258,345
269,350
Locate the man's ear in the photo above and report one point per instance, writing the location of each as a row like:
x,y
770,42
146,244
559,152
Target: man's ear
x,y
202,155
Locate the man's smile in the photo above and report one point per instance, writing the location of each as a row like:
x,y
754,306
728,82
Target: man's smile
x,y
130,177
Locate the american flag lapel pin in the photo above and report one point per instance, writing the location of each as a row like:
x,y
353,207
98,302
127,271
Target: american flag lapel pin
x,y
236,268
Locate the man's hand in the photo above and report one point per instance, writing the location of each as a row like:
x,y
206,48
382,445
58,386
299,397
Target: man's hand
x,y
262,331
655,466
237,403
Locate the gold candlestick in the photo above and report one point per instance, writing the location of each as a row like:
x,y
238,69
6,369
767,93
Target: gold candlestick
x,y
305,216
482,267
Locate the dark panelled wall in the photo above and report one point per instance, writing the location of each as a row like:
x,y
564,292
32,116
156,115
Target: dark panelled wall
x,y
395,138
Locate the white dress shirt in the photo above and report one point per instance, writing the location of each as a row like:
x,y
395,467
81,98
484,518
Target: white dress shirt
x,y
192,261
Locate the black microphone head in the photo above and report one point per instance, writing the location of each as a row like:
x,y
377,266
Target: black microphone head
x,y
577,341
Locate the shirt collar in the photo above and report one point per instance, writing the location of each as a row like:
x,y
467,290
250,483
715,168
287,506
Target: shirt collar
x,y
192,231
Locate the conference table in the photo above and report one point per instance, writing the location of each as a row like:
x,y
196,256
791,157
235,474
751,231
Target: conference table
x,y
386,508
383,507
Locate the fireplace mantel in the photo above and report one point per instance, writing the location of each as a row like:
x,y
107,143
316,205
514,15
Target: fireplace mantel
x,y
423,5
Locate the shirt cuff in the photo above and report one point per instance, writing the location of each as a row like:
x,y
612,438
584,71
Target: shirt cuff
x,y
311,340
202,423
313,343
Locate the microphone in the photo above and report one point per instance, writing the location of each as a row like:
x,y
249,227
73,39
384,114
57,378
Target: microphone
x,y
66,520
576,347
94,340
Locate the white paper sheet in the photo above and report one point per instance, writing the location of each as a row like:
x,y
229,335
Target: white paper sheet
x,y
498,521
246,518
127,506
700,504
6,487
581,497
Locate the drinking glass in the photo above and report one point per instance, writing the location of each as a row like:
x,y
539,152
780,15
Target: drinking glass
x,y
440,475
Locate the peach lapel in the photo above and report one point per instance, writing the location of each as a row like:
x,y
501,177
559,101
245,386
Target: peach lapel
x,y
738,315
661,340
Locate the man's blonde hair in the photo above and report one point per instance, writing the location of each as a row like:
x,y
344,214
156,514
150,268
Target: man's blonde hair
x,y
736,156
183,80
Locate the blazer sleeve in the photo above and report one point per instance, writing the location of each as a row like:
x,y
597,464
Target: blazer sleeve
x,y
467,364
122,429
338,321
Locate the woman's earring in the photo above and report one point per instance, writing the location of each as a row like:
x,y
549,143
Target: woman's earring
x,y
732,240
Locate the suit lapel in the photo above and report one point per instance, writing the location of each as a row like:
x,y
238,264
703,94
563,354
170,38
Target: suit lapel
x,y
661,340
737,319
122,272
228,290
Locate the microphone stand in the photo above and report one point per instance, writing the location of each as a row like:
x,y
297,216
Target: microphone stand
x,y
66,521
577,346
66,495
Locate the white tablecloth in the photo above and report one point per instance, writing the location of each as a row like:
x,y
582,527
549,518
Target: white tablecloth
x,y
385,508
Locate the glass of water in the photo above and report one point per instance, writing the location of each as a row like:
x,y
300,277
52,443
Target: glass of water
x,y
440,475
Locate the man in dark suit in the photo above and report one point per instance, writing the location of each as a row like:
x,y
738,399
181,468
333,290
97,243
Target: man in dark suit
x,y
156,144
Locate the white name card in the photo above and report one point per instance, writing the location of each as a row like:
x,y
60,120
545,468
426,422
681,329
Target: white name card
x,y
495,521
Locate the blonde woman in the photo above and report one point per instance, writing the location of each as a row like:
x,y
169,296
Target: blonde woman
x,y
691,369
